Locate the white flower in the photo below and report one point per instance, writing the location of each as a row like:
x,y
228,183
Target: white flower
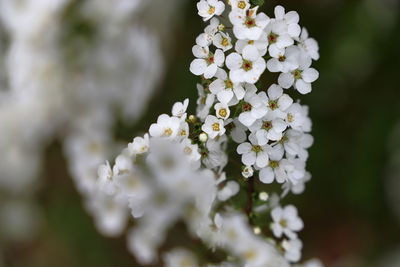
x,y
206,62
204,102
105,180
240,5
292,249
296,143
222,111
222,41
206,38
308,45
300,78
253,153
291,20
261,45
248,25
277,101
284,60
252,107
226,91
166,126
247,172
295,170
139,145
275,168
277,36
247,67
286,221
179,108
297,117
213,126
130,184
208,8
269,127
192,152
229,190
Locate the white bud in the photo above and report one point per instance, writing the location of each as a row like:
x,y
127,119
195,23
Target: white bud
x,y
257,230
263,196
203,137
247,172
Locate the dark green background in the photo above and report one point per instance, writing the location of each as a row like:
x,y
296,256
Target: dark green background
x,y
354,107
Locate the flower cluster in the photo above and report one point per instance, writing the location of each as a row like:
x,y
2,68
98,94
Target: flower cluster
x,y
176,172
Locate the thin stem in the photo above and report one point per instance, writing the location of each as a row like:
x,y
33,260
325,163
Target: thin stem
x,y
250,193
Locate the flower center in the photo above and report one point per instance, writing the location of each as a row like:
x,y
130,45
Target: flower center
x,y
183,133
273,104
256,148
168,132
272,38
283,223
215,127
274,164
246,107
250,22
284,139
241,5
210,59
228,84
222,112
225,42
297,74
211,10
281,58
267,125
247,65
290,117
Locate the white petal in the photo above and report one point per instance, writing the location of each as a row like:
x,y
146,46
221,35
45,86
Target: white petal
x,y
249,158
244,148
198,66
274,65
262,159
210,71
266,175
274,92
284,102
286,80
303,87
251,53
234,61
310,75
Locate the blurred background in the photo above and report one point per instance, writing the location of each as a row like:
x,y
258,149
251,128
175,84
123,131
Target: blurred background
x,y
351,208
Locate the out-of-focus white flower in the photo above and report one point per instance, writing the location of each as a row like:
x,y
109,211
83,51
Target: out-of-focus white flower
x,y
286,221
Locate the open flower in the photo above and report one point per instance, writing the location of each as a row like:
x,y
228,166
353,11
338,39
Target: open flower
x,y
208,8
247,67
166,126
213,126
253,153
248,25
252,107
286,221
206,62
226,91
300,78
